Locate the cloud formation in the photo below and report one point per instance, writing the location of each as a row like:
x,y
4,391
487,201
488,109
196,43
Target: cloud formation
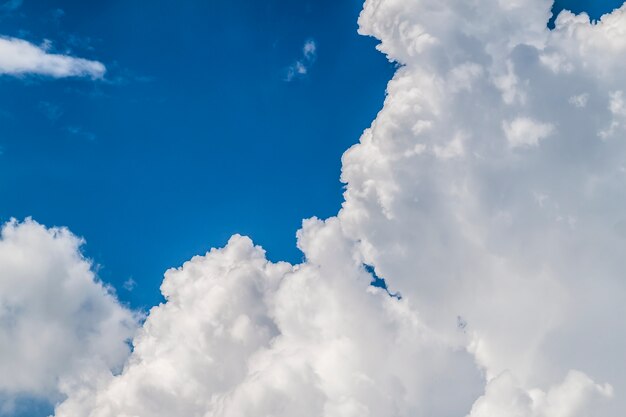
x,y
489,191
58,324
19,57
241,336
301,67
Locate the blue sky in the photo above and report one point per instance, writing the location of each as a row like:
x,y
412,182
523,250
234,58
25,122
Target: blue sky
x,y
195,133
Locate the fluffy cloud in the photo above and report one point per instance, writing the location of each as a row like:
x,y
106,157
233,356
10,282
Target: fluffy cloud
x,y
524,132
19,57
573,397
57,323
483,192
523,244
240,336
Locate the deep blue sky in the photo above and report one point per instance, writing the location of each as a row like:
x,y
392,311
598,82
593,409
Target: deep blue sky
x,y
195,134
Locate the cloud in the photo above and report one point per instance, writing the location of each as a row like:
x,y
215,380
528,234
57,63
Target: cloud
x,y
301,67
19,57
58,324
129,284
509,261
573,397
50,110
10,6
309,50
241,336
78,131
525,132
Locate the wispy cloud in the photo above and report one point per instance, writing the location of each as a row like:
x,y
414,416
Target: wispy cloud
x,y
50,110
129,284
80,132
10,6
19,57
301,67
57,14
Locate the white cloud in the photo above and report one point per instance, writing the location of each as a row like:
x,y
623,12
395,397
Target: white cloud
x,y
618,112
452,149
574,397
309,50
525,132
240,336
57,323
301,67
19,57
510,264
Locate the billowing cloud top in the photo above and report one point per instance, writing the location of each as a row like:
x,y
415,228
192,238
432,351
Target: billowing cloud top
x,y
57,323
489,191
19,57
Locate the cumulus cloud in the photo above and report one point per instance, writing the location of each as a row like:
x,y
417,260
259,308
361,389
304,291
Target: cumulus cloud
x,y
573,397
19,57
301,67
525,132
58,323
482,192
241,336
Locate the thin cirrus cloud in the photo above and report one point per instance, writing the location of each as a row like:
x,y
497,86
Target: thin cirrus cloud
x,y
10,6
78,131
19,57
482,192
300,68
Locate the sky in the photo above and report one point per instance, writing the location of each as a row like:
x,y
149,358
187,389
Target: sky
x,y
197,130
480,173
595,9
